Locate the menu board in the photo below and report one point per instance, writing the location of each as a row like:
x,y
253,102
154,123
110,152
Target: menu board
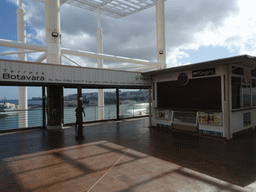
x,y
199,93
212,118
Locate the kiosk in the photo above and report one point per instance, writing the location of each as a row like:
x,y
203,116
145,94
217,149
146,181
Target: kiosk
x,y
216,98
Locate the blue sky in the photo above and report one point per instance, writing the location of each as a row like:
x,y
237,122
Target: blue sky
x,y
196,31
8,16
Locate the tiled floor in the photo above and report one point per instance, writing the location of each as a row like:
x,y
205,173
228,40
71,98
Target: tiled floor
x,y
125,156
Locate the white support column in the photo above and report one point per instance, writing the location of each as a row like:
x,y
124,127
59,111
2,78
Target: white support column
x,y
227,107
53,39
21,37
52,31
160,33
149,106
100,65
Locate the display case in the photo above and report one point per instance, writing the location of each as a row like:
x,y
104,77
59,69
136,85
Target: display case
x,y
184,117
185,120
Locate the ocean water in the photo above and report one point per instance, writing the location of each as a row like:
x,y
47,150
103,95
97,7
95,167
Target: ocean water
x,y
35,115
16,102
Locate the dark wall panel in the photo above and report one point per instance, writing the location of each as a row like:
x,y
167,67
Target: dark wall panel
x,y
201,93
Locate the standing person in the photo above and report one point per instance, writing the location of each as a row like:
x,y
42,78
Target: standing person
x,y
77,115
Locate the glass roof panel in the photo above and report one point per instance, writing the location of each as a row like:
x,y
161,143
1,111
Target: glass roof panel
x,y
112,8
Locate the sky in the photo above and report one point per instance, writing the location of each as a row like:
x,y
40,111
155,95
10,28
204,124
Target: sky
x,y
196,31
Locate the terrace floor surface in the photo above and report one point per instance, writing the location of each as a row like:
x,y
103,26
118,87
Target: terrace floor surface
x,y
125,156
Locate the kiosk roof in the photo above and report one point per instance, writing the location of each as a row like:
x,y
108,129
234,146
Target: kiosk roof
x,y
246,60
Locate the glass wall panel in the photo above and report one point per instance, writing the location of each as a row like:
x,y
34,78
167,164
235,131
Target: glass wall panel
x,y
12,116
246,91
236,92
254,92
90,104
184,117
133,102
253,73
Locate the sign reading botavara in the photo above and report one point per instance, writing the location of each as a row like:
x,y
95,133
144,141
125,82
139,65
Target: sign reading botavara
x,y
23,77
28,72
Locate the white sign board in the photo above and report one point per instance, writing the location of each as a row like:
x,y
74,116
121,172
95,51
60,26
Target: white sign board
x,y
40,73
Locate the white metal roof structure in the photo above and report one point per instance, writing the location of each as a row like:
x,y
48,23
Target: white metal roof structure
x,y
112,8
53,51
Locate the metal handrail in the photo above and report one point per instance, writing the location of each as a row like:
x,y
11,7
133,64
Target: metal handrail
x,y
21,119
33,117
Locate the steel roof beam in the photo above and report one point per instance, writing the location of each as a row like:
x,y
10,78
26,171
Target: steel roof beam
x,y
107,57
20,45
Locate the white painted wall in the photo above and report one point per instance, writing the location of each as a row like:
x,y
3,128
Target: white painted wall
x,y
237,123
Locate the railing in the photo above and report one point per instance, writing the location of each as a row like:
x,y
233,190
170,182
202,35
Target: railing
x,y
126,110
134,110
34,117
91,113
21,119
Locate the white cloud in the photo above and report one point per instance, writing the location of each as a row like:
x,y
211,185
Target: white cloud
x,y
37,36
80,41
237,32
244,26
173,56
